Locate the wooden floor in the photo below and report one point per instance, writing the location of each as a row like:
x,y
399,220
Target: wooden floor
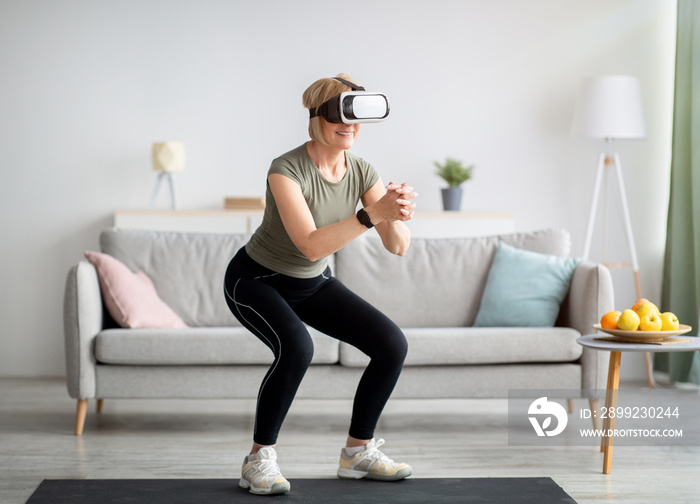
x,y
208,439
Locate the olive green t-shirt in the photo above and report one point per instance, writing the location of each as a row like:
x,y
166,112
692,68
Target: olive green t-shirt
x,y
329,202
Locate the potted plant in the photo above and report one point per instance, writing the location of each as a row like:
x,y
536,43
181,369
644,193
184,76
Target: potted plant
x,y
455,174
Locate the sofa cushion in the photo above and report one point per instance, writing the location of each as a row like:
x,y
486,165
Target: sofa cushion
x,y
439,282
524,288
131,298
187,269
484,345
196,346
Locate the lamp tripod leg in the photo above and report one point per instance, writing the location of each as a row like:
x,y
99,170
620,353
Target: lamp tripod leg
x,y
156,187
635,264
594,206
628,224
173,192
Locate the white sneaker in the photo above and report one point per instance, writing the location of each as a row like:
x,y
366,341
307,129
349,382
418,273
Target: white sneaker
x,y
261,474
372,464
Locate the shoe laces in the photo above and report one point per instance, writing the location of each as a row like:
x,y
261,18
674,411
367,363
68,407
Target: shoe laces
x,y
268,467
376,456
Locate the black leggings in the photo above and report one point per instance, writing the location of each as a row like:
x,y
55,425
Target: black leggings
x,y
275,307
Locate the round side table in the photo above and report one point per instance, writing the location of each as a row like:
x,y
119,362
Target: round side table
x,y
616,348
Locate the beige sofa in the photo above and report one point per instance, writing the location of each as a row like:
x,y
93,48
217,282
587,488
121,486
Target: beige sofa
x,y
442,281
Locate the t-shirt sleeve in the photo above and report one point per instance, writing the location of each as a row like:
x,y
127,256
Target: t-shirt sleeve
x,y
368,175
285,166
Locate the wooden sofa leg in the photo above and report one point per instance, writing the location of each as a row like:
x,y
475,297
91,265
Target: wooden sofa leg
x,y
99,405
80,416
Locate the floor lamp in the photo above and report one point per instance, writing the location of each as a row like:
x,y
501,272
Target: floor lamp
x,y
168,158
609,108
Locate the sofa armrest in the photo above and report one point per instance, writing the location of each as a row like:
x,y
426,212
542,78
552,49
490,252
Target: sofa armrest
x,y
82,321
590,296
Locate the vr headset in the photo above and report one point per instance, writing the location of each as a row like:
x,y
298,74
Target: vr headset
x,y
356,106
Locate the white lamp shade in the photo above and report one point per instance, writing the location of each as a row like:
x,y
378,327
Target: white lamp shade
x,y
610,107
169,157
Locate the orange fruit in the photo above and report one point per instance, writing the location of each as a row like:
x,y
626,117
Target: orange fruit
x,y
609,320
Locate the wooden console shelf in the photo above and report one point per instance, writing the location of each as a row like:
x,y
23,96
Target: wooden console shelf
x,y
424,224
197,221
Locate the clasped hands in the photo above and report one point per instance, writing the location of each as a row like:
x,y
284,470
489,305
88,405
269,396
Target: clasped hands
x,y
396,204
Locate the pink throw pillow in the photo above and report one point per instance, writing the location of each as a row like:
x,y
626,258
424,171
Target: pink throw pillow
x,y
131,298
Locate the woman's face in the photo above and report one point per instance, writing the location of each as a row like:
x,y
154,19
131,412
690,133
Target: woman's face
x,y
339,135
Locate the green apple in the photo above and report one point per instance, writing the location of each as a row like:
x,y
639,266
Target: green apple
x,y
628,321
647,307
650,321
669,321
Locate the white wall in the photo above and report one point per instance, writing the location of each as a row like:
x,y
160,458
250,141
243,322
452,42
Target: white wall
x,y
86,87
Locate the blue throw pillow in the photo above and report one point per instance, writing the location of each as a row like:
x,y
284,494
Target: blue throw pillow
x,y
524,288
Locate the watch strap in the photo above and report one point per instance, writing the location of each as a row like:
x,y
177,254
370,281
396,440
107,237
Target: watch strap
x,y
364,218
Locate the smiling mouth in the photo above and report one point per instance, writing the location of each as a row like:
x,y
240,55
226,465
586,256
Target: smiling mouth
x,y
345,133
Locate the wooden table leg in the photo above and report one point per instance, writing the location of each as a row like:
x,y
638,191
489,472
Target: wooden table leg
x,y
594,405
610,405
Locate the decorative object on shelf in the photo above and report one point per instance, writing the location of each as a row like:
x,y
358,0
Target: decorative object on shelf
x,y
455,174
168,158
609,107
237,203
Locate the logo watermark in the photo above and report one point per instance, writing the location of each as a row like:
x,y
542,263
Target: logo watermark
x,y
640,417
541,406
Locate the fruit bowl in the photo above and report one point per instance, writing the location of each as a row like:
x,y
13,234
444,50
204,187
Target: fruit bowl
x,y
644,335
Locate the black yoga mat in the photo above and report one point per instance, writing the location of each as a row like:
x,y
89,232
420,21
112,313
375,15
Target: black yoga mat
x,y
312,491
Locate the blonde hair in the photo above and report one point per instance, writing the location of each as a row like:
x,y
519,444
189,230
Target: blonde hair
x,y
316,94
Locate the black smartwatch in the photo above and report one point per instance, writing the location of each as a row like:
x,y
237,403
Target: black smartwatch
x,y
364,218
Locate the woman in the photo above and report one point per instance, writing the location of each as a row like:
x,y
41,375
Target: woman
x,y
280,281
